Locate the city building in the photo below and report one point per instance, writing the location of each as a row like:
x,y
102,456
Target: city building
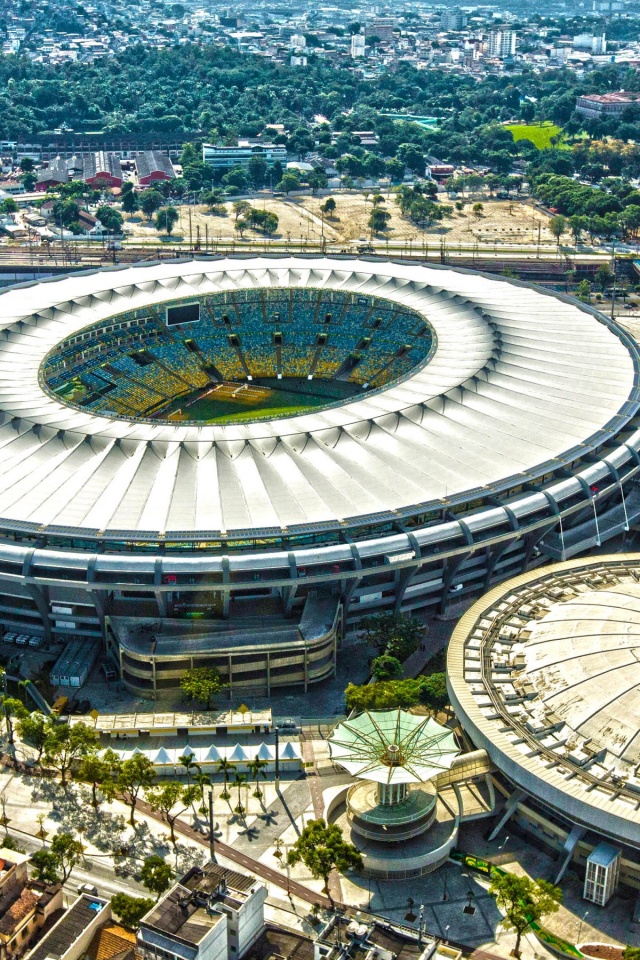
x,y
543,675
71,936
448,445
240,155
25,905
358,41
596,45
605,104
453,20
52,175
381,27
102,169
213,914
501,44
151,166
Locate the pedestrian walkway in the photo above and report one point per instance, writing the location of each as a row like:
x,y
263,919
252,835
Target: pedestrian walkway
x,y
315,788
292,887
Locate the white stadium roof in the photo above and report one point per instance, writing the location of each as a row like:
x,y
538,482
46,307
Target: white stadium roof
x,y
518,378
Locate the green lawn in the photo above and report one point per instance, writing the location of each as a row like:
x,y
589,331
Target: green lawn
x,y
539,133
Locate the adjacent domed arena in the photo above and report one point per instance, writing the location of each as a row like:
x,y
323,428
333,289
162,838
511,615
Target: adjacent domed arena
x,y
190,443
544,674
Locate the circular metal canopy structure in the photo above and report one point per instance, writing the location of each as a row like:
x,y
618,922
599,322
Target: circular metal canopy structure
x,y
518,383
393,747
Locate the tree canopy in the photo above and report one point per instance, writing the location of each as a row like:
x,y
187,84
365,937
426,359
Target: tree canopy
x,y
524,902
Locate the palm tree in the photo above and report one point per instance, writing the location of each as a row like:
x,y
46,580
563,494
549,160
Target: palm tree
x,y
203,780
239,780
187,761
257,770
225,767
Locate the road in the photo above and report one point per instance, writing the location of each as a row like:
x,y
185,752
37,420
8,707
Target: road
x,y
92,871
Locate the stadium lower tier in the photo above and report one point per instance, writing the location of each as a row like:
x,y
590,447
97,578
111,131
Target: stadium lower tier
x,y
73,591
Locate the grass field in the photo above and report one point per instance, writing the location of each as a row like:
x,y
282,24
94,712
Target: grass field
x,y
540,134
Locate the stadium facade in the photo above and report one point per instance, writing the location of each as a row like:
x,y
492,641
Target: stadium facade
x,y
468,426
543,674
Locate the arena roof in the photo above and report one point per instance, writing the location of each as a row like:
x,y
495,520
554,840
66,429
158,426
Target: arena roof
x,y
520,381
544,674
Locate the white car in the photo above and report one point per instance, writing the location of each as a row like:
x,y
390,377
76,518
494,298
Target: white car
x,y
88,888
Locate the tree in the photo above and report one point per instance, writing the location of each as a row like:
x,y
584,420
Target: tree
x,y
398,636
257,770
202,780
110,218
317,180
558,226
65,745
150,201
239,781
270,224
33,730
386,668
584,291
241,226
46,866
236,179
68,851
604,276
328,207
8,205
189,764
156,875
477,209
202,684
13,709
225,767
137,773
524,902
241,208
130,909
322,848
94,770
288,183
129,202
257,170
378,220
577,225
166,219
395,170
631,953
169,796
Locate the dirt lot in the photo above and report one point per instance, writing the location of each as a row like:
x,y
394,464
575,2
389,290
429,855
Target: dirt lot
x,y
500,222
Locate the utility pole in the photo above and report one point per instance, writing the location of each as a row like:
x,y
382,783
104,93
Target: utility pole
x,y
613,270
277,770
212,838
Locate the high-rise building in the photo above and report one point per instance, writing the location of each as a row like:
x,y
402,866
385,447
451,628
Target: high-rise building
x,y
453,20
357,45
501,44
382,27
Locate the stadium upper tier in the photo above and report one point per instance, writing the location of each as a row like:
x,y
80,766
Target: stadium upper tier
x,y
520,385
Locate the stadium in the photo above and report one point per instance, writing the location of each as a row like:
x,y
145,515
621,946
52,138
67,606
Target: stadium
x,y
224,461
543,674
